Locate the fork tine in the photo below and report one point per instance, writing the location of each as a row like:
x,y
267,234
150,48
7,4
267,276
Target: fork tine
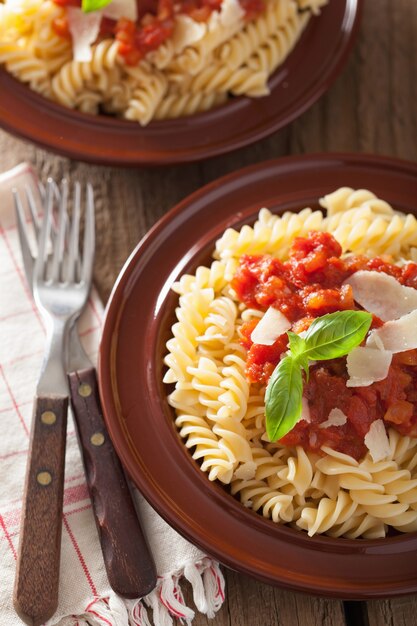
x,y
59,245
44,236
33,210
74,235
42,191
89,237
28,259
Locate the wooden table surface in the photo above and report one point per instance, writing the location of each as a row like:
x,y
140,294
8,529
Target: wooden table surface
x,y
371,108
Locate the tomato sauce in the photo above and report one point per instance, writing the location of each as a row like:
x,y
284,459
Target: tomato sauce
x,y
310,284
155,22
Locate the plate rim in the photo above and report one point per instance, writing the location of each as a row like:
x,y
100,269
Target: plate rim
x,y
122,283
78,121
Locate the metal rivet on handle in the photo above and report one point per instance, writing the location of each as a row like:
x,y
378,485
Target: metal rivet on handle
x,y
85,390
44,478
97,439
48,417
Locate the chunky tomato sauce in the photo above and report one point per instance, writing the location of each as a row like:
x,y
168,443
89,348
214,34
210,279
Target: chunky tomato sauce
x,y
155,22
308,285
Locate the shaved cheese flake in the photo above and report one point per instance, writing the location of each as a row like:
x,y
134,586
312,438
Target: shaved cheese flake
x,y
305,410
374,342
187,32
121,8
270,327
336,418
84,29
397,335
376,441
382,294
231,13
366,365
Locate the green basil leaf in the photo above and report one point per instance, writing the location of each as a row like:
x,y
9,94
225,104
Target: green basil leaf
x,y
302,361
93,5
296,343
334,335
283,398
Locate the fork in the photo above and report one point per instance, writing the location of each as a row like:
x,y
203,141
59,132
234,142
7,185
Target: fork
x,y
61,197
59,296
129,564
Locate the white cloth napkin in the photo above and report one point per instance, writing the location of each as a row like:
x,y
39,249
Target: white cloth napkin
x,y
84,593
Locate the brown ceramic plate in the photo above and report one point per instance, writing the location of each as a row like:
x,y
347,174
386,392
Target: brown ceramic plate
x,y
140,422
307,73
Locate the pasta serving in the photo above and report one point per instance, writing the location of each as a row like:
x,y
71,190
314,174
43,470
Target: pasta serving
x,y
331,483
168,60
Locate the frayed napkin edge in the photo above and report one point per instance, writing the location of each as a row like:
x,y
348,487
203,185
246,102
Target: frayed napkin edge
x,y
166,601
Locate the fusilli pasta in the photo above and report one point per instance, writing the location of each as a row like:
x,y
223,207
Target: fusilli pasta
x,y
221,416
201,66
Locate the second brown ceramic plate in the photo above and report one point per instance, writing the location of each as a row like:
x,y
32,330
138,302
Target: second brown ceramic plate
x,y
141,424
307,73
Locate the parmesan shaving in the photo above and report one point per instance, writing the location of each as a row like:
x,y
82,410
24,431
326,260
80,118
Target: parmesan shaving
x,y
374,342
305,410
121,8
187,32
84,29
377,442
270,327
397,335
231,13
366,365
336,418
382,294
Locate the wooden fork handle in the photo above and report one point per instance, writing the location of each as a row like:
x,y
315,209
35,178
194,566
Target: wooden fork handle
x,y
129,563
36,584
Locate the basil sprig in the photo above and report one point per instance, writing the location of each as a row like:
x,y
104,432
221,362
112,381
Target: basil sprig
x,y
93,5
329,337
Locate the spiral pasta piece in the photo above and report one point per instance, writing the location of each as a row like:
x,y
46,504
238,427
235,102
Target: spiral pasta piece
x,y
271,234
220,322
175,105
346,198
206,379
25,66
216,276
298,471
259,497
327,514
182,348
244,44
68,83
88,101
275,49
359,525
146,94
235,387
218,78
199,436
219,29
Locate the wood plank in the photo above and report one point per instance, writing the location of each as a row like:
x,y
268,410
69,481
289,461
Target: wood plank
x,y
372,105
252,603
400,612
